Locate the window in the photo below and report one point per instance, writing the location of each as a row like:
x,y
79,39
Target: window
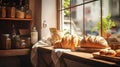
x,y
81,16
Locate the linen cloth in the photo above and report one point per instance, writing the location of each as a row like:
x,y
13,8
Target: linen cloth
x,y
56,54
34,53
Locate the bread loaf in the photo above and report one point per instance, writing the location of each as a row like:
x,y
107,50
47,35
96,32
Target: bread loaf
x,y
71,41
94,42
68,42
55,35
57,44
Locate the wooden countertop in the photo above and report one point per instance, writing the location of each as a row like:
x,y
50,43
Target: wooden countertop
x,y
83,57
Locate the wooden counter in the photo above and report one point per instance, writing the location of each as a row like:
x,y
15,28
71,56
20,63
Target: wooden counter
x,y
81,57
15,58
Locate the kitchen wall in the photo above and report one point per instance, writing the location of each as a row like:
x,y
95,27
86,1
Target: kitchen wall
x,y
48,16
44,16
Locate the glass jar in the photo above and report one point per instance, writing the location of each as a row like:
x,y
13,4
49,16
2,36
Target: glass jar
x,y
34,35
20,11
3,11
6,41
17,41
13,42
23,44
28,42
11,10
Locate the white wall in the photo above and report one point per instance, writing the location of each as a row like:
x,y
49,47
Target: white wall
x,y
48,16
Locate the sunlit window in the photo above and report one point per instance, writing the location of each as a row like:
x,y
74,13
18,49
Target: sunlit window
x,y
82,16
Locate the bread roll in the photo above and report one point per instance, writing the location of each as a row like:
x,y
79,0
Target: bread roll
x,y
118,52
108,52
103,52
111,53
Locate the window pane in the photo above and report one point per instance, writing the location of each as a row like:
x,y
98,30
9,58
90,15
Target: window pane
x,y
76,2
92,16
66,23
114,9
77,20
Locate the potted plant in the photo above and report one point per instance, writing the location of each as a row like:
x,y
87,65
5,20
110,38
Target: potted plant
x,y
107,24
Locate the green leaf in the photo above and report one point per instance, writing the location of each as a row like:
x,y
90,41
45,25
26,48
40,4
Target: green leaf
x,y
107,24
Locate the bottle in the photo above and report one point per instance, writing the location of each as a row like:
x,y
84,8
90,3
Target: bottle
x,y
28,12
34,35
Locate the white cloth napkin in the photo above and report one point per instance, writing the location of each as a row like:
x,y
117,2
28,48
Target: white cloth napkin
x,y
56,54
34,53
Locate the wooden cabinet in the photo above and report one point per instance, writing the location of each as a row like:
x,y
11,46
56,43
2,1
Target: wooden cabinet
x,y
15,57
6,28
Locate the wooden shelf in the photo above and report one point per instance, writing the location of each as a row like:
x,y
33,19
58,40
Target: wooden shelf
x,y
14,52
15,19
